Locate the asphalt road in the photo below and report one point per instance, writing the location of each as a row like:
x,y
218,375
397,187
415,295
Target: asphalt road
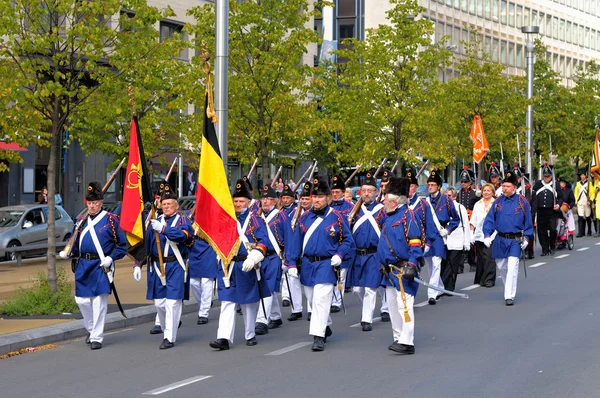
x,y
544,346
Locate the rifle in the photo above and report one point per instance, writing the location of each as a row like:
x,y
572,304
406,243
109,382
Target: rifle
x,y
519,150
553,175
301,180
422,169
353,174
395,165
359,202
79,226
501,161
252,169
274,182
299,208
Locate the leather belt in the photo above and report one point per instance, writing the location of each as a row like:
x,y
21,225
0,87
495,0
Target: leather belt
x,y
314,259
167,259
239,258
270,253
509,236
364,252
89,256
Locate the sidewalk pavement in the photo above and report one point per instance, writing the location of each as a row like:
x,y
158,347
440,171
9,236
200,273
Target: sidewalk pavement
x,y
22,332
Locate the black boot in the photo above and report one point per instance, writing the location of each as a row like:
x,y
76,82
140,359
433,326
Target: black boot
x,y
220,344
580,227
295,316
318,344
588,221
260,328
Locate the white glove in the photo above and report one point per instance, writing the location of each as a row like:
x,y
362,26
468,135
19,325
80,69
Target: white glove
x,y
137,273
478,193
487,241
63,255
466,247
443,232
426,250
254,257
107,262
472,238
293,272
156,225
524,244
284,268
336,261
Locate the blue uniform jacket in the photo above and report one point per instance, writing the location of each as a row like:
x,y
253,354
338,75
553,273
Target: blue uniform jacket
x,y
509,216
402,231
447,217
365,270
281,229
344,208
422,212
289,211
202,260
244,285
331,237
177,288
90,279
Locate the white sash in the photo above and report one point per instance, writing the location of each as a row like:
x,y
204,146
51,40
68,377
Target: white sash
x,y
583,191
90,226
435,219
368,216
414,205
92,230
313,228
546,187
270,233
173,245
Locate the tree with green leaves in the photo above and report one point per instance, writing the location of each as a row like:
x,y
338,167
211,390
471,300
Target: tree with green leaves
x,y
269,109
381,87
57,54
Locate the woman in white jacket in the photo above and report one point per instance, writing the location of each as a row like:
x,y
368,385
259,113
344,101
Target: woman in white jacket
x,y
458,243
485,275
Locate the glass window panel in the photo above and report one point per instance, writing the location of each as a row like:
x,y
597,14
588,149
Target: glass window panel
x,y
548,25
511,54
527,17
464,5
465,39
346,28
561,30
519,17
503,11
586,41
495,45
598,40
561,65
345,8
457,4
495,10
487,46
472,5
542,23
449,3
534,18
511,14
487,9
519,55
568,32
593,40
480,8
555,63
569,67
456,38
503,52
439,31
555,27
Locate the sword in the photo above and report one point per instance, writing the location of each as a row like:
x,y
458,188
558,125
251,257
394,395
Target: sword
x,y
523,258
451,293
262,300
339,287
287,282
113,288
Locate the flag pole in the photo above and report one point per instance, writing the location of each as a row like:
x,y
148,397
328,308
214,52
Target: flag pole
x,y
221,67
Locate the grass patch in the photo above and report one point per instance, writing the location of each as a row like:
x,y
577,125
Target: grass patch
x,y
39,299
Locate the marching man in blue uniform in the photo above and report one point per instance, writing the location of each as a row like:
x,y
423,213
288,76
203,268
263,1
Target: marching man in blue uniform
x,y
240,285
203,272
281,259
509,225
288,205
325,239
398,251
100,243
445,220
365,275
168,283
338,187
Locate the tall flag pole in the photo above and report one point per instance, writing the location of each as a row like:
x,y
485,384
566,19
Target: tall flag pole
x,y
136,188
595,166
480,144
215,219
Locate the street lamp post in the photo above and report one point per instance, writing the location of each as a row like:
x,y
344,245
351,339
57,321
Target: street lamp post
x,y
529,32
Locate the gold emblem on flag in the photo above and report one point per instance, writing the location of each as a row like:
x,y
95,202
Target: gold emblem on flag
x,y
133,178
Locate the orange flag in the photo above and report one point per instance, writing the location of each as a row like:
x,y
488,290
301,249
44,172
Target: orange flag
x,y
595,169
480,144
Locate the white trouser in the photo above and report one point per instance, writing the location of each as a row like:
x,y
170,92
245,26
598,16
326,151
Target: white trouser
x,y
434,266
227,320
272,309
169,314
583,210
367,297
338,296
157,320
308,302
202,289
404,332
93,310
320,296
570,221
384,304
509,272
296,289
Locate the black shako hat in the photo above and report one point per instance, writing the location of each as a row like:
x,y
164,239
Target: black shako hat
x,y
435,177
167,193
511,177
494,172
241,190
246,181
386,175
268,192
398,186
94,192
411,174
320,187
369,179
338,182
546,170
287,191
465,176
306,189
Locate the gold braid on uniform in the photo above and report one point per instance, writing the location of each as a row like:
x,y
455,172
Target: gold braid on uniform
x,y
339,223
259,246
423,236
112,226
277,238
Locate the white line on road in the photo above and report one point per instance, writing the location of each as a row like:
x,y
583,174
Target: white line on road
x,y
423,304
377,319
475,286
288,349
118,331
581,249
536,265
175,385
562,256
598,244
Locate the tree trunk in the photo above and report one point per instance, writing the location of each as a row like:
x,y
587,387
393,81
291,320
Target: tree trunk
x,y
51,184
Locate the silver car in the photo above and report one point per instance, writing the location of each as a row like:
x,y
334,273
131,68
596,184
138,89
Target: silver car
x,y
28,224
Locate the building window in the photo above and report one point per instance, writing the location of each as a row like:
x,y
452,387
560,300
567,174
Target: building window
x,y
519,16
527,17
487,9
472,7
495,11
464,5
511,54
511,14
568,32
168,29
561,65
555,28
503,52
480,8
439,31
346,19
503,11
561,30
495,45
487,46
519,55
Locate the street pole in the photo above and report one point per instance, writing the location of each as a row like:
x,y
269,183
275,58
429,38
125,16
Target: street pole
x,y
221,67
529,32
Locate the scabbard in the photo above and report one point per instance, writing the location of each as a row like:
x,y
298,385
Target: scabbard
x,y
114,291
287,282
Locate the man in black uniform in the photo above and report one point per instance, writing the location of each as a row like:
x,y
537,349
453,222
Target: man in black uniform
x,y
529,251
546,202
467,197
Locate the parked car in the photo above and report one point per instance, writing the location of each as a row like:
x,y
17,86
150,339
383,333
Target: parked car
x,y
28,224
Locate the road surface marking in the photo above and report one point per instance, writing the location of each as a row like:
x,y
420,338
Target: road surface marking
x,y
475,286
176,385
118,331
374,320
288,349
581,249
562,256
423,304
536,265
598,244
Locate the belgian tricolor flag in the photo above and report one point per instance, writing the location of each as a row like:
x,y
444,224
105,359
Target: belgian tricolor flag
x,y
215,219
595,169
136,189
